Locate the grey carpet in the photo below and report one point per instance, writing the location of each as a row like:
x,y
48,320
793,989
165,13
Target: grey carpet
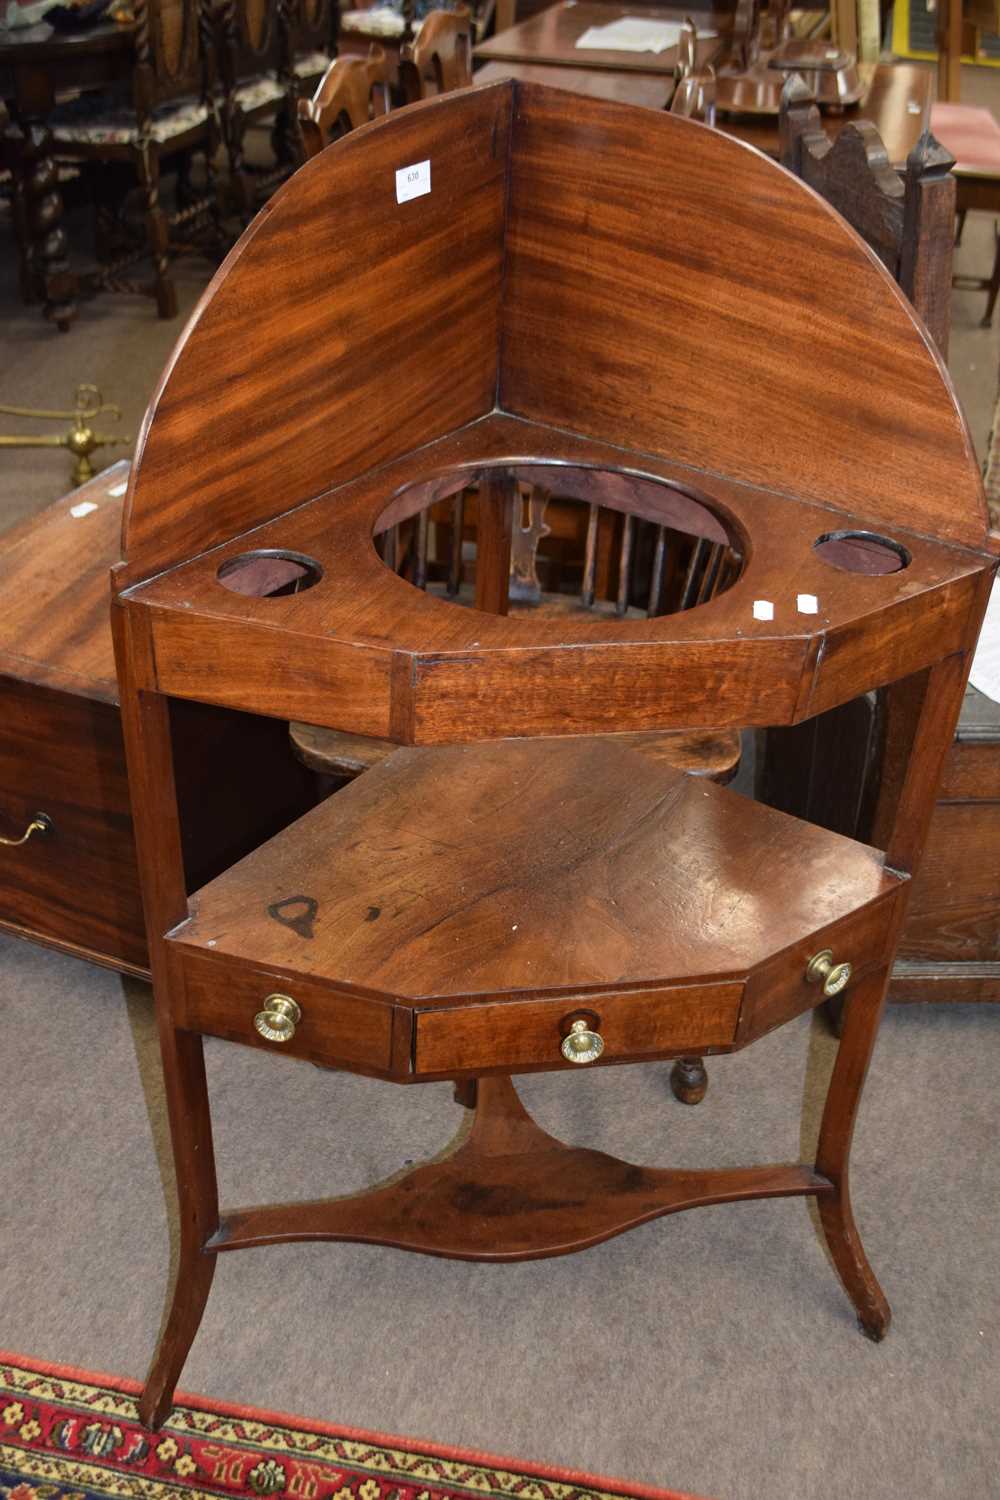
x,y
713,1351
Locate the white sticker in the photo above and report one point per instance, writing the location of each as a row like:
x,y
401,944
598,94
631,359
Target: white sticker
x,y
413,182
763,609
118,489
83,509
807,604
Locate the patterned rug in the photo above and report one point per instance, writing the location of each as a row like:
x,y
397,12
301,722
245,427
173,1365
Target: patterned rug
x,y
69,1435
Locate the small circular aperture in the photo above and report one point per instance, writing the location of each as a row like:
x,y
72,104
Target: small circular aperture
x,y
861,552
269,573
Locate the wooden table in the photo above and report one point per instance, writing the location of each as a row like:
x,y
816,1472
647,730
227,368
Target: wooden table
x,y
36,65
652,91
897,102
550,37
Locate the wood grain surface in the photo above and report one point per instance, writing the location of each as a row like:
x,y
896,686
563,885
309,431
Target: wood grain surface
x,y
330,339
630,276
54,625
551,36
365,652
563,866
647,90
714,250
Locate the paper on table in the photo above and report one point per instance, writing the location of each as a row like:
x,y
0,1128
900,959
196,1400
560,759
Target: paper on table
x,y
985,674
633,34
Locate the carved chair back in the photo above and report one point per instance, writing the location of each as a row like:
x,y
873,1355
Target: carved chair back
x,y
908,222
351,92
440,59
253,37
314,24
173,51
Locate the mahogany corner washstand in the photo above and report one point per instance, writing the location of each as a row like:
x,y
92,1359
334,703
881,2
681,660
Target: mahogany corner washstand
x,y
648,316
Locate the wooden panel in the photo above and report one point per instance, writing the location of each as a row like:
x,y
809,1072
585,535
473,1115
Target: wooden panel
x,y
678,249
642,1023
56,595
221,998
956,983
972,770
954,912
779,990
320,347
77,886
649,91
299,686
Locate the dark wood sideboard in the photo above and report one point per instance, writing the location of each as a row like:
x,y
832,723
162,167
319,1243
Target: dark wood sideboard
x,y
73,883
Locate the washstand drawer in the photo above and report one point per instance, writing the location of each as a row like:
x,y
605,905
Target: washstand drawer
x,y
76,885
529,1033
779,990
222,996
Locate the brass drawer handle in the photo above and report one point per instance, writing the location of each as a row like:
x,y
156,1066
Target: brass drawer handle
x,y
835,977
279,1018
40,823
581,1045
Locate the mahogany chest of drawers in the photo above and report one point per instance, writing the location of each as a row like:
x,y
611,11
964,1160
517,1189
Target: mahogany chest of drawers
x,y
73,883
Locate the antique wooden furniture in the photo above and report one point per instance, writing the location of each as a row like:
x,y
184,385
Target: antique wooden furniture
x,y
36,65
828,770
896,101
268,51
648,90
440,59
164,111
71,881
510,891
549,38
950,946
973,137
908,222
350,93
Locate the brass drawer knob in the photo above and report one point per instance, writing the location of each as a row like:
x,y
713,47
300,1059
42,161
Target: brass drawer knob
x,y
835,977
279,1018
40,823
582,1045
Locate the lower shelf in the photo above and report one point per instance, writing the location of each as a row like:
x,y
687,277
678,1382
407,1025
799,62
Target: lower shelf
x,y
508,1191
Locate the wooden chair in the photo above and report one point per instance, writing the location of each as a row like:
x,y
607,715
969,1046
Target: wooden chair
x,y
169,112
973,137
909,223
441,57
270,50
352,91
395,25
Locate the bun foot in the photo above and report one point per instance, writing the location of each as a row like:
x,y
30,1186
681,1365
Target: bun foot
x,y
688,1080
